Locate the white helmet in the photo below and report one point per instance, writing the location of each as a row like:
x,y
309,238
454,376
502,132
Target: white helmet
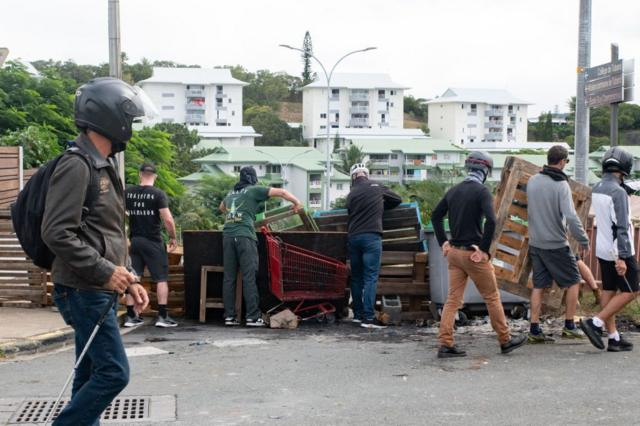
x,y
358,168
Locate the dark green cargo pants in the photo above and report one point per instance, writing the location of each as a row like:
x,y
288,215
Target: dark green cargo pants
x,y
240,252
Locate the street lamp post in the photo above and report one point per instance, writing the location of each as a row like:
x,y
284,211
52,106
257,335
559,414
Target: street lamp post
x,y
326,203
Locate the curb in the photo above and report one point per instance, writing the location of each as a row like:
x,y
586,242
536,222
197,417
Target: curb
x,y
38,343
44,342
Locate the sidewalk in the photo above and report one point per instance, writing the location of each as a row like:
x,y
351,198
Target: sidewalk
x,y
31,330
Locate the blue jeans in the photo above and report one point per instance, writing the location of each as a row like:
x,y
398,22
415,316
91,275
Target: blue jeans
x,y
104,370
365,251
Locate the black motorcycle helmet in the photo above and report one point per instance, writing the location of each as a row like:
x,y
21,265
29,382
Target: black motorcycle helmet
x,y
617,159
478,160
108,106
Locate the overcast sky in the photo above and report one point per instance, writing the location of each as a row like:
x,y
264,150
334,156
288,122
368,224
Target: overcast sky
x,y
527,47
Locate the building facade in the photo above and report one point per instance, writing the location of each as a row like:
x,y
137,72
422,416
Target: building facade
x,y
356,101
478,118
208,100
299,170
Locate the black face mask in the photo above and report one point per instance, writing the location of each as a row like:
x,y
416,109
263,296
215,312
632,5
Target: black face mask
x,y
117,147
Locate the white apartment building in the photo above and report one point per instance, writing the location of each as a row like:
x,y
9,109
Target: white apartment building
x,y
365,102
478,118
206,99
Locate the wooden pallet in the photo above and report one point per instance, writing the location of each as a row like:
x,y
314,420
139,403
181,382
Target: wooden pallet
x,y
510,246
285,219
21,282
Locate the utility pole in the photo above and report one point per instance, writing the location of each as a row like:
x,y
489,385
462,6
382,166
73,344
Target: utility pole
x,y
582,112
115,61
614,107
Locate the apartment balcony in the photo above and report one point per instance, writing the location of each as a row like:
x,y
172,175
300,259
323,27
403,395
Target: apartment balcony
x,y
511,125
493,125
334,98
359,96
512,113
315,184
379,161
219,107
194,118
315,203
494,136
194,93
416,163
221,121
195,106
384,124
220,95
411,178
494,113
359,109
355,122
381,178
383,98
473,113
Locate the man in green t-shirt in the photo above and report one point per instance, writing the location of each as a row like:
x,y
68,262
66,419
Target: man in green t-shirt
x,y
240,245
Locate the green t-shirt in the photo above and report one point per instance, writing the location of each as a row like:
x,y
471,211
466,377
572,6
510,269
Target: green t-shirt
x,y
241,211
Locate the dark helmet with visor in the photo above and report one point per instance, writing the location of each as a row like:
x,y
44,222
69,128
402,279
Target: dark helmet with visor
x,y
109,106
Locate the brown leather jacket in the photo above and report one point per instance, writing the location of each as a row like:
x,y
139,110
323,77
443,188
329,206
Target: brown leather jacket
x,y
86,252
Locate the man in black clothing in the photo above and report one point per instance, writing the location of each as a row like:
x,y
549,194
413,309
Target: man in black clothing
x,y
147,206
365,204
468,253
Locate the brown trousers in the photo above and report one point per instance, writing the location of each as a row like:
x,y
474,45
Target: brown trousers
x,y
461,268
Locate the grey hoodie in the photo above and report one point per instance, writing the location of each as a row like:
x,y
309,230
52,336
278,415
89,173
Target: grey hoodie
x,y
550,210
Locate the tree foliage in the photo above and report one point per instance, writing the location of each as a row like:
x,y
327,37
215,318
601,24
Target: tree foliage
x,y
274,131
426,193
184,142
350,156
39,144
307,47
417,108
151,145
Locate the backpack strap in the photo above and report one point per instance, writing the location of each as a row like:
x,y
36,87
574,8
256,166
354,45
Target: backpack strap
x,y
93,190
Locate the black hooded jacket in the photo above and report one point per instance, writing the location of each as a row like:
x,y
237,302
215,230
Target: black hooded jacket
x,y
365,203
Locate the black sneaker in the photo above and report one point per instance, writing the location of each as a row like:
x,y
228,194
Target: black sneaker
x,y
255,322
514,343
592,332
231,321
621,345
133,321
451,352
166,322
372,323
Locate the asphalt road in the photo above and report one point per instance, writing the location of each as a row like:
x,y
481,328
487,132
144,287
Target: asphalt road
x,y
341,374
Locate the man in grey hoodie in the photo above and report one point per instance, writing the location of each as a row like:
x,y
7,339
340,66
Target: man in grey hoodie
x,y
550,210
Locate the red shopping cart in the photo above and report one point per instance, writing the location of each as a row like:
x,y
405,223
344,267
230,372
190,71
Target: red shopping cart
x,y
299,275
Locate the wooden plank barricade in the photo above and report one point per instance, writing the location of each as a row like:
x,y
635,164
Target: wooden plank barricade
x,y
510,246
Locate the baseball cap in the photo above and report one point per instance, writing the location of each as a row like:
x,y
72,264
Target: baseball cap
x,y
148,168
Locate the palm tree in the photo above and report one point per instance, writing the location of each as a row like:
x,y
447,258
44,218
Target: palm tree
x,y
349,157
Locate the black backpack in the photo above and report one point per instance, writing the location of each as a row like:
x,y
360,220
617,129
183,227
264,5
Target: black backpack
x,y
28,210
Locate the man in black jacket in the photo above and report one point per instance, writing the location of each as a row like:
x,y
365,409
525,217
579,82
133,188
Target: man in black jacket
x,y
91,261
365,204
468,253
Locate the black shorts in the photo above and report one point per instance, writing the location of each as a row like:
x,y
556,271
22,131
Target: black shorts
x,y
153,255
611,281
557,265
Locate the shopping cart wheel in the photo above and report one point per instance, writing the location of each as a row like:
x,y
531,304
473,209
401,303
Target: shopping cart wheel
x,y
330,318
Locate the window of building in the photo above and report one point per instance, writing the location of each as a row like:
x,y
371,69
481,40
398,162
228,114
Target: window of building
x,y
462,106
167,120
339,187
168,95
335,93
521,119
462,141
323,115
473,107
322,126
233,113
221,124
394,156
274,168
393,92
219,88
168,107
229,100
391,104
236,169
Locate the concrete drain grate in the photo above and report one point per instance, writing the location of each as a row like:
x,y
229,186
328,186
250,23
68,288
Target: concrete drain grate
x,y
122,409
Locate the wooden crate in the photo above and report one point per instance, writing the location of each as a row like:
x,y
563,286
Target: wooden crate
x,y
285,219
510,245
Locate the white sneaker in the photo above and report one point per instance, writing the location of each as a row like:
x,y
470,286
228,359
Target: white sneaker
x,y
231,321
